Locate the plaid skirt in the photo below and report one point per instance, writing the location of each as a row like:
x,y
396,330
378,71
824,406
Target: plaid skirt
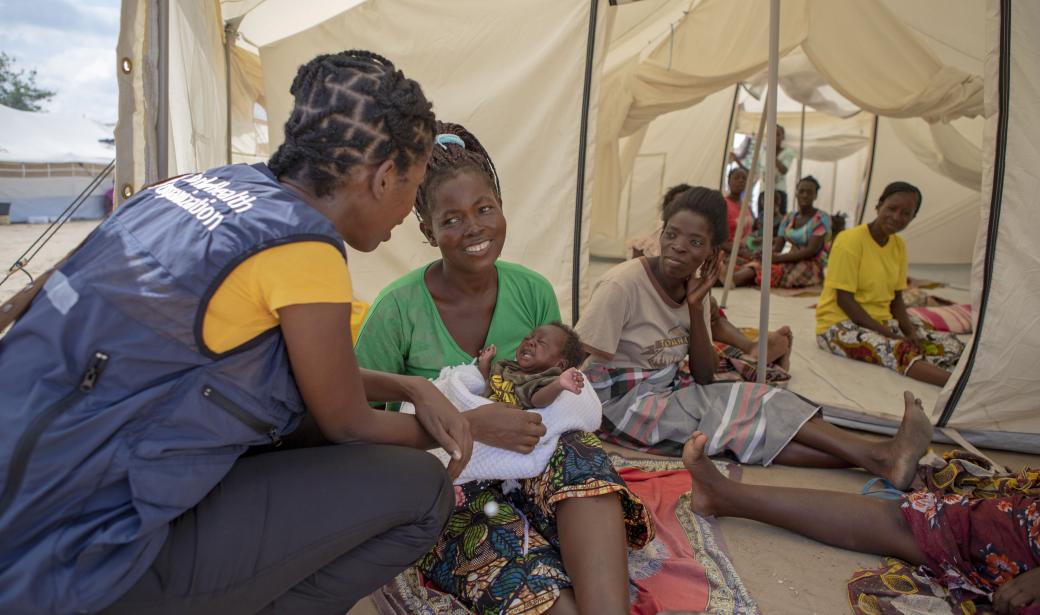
x,y
505,559
657,410
799,274
847,339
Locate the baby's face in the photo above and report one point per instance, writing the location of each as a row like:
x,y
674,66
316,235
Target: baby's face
x,y
542,349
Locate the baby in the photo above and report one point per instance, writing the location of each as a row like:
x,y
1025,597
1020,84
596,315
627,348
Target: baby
x,y
545,366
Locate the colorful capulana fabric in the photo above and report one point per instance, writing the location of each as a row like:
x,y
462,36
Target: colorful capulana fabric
x,y
736,366
977,528
949,318
806,272
509,563
657,410
847,339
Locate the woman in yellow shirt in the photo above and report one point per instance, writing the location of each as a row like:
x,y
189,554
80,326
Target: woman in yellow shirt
x,y
861,314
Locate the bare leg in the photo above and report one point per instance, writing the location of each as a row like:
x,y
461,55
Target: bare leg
x,y
744,277
802,456
565,604
895,459
926,372
594,550
840,519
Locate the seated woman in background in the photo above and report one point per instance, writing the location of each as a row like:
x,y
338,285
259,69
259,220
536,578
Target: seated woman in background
x,y
861,314
808,230
738,353
649,316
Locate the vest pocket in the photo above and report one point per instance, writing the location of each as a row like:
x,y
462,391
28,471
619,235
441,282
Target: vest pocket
x,y
225,403
23,448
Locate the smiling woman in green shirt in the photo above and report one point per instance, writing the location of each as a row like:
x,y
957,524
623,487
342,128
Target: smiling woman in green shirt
x,y
578,512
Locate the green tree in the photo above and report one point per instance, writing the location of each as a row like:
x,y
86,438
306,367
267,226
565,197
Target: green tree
x,y
18,86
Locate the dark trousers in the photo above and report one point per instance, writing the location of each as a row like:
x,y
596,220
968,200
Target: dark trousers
x,y
307,530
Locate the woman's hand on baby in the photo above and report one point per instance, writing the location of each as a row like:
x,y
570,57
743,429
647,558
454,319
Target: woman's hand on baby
x,y
572,380
698,288
504,426
1018,593
446,425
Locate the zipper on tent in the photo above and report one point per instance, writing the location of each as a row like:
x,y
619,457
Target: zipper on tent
x,y
1004,92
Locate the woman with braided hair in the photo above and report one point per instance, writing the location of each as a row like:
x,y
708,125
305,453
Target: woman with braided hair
x,y
554,542
165,396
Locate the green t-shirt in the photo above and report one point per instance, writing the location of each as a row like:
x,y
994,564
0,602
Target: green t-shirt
x,y
404,333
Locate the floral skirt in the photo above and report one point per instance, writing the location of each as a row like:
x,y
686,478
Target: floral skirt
x,y
847,339
975,546
799,274
506,558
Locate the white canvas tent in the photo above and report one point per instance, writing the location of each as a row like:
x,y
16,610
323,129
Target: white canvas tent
x,y
47,159
542,81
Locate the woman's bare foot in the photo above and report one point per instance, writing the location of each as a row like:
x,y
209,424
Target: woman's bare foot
x,y
708,482
778,348
909,444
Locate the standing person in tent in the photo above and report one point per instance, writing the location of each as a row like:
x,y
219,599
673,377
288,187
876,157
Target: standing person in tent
x,y
648,316
785,157
861,314
554,542
208,315
808,230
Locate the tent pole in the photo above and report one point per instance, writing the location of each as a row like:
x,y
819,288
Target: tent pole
x,y
583,139
749,187
230,33
728,147
861,207
996,196
834,183
801,147
162,128
770,179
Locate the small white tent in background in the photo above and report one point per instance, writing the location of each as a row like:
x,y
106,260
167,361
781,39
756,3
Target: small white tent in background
x,y
46,161
542,82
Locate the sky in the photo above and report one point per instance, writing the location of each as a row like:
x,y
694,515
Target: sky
x,y
72,46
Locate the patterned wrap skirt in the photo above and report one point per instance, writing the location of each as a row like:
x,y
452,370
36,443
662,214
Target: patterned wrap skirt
x,y
797,274
847,339
505,558
974,546
657,410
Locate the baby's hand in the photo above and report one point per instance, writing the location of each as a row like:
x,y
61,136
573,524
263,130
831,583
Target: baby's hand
x,y
485,356
572,380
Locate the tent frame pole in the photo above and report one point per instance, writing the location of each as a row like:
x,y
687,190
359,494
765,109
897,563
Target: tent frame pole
x,y
230,34
583,141
862,206
770,181
162,127
749,187
728,146
801,146
993,231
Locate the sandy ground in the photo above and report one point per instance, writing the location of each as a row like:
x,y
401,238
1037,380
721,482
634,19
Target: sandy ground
x,y
787,574
15,239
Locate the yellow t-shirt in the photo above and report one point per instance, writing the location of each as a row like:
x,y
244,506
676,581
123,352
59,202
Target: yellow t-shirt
x,y
247,302
871,272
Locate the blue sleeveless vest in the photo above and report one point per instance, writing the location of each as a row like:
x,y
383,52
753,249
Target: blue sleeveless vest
x,y
116,416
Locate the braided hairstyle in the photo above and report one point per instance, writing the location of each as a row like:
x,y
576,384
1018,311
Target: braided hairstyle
x,y
448,160
351,108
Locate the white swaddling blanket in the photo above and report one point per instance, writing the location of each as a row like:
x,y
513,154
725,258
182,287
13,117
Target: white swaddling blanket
x,y
463,384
